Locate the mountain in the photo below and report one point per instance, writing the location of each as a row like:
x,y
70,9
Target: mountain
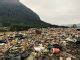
x,y
73,25
9,1
13,12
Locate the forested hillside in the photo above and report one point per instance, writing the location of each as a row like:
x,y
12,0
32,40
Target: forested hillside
x,y
15,15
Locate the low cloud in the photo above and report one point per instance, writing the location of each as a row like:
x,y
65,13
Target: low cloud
x,y
56,11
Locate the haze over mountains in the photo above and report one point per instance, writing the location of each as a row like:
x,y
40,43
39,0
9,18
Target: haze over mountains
x,y
77,25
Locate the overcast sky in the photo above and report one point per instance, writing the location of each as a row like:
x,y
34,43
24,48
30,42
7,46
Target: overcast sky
x,y
56,11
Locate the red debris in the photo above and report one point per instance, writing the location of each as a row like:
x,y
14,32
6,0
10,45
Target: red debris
x,y
55,50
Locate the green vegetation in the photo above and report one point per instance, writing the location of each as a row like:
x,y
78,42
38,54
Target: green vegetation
x,y
17,17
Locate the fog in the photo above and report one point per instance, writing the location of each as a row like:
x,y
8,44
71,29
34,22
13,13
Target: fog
x,y
56,11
